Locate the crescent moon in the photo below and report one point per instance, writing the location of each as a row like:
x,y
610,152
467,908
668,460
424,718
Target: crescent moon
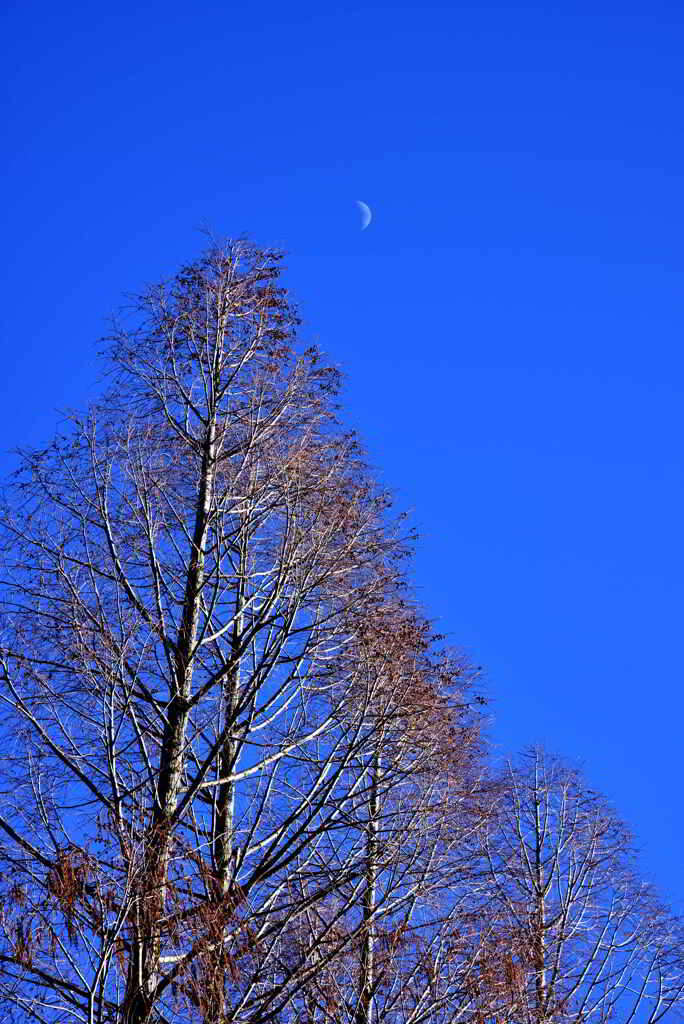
x,y
366,214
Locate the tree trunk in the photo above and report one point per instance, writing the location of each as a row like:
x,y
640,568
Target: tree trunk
x,y
364,1010
539,952
224,852
146,941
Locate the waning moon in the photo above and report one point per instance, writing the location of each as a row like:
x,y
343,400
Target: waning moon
x,y
365,214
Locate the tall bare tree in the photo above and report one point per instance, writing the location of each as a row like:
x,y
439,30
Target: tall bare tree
x,y
241,781
188,573
579,937
377,950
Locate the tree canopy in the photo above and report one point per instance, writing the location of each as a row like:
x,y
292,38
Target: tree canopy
x,y
243,780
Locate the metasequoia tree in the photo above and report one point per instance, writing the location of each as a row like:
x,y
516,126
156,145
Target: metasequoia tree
x,y
190,576
380,939
241,778
579,938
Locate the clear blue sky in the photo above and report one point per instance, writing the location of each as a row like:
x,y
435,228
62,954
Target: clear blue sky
x,y
511,321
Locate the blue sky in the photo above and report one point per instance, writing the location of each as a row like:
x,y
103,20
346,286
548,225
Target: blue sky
x,y
510,322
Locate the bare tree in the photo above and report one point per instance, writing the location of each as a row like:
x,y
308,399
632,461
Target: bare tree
x,y
241,779
378,949
188,574
579,938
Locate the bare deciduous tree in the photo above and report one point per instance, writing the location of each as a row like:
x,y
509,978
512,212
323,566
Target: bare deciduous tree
x,y
241,778
388,936
579,937
188,573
